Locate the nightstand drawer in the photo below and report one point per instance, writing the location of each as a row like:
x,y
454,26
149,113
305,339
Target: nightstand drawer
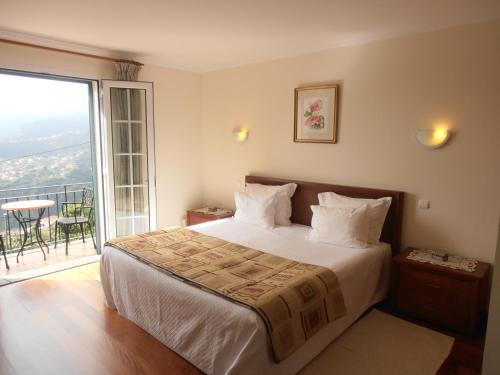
x,y
194,218
444,296
440,291
203,215
422,286
439,299
454,319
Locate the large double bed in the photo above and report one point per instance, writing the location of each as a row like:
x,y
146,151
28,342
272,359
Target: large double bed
x,y
222,337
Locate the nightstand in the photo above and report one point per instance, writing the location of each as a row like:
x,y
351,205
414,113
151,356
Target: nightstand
x,y
450,298
202,215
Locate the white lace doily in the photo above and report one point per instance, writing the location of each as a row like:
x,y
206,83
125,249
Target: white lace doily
x,y
455,262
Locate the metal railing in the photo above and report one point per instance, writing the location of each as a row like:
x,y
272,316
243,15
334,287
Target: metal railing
x,y
10,228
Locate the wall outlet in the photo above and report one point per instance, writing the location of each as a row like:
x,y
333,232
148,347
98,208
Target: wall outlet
x,y
424,204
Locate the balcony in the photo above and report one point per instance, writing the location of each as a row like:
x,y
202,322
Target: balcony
x,y
32,258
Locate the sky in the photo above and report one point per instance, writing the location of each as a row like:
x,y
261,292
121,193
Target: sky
x,y
23,98
43,130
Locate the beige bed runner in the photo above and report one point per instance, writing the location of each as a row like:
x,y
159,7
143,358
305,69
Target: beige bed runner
x,y
294,299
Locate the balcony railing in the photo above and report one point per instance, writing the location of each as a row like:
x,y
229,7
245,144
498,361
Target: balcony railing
x,y
10,228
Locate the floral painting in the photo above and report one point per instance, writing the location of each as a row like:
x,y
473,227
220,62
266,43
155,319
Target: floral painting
x,y
316,114
314,119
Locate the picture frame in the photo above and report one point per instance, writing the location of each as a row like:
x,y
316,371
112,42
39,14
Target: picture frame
x,y
316,114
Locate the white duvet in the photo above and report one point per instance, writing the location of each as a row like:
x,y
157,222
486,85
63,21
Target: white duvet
x,y
221,337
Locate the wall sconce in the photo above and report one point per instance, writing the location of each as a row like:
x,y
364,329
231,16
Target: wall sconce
x,y
434,138
240,134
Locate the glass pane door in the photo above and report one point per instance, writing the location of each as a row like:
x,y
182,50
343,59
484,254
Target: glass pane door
x,y
129,130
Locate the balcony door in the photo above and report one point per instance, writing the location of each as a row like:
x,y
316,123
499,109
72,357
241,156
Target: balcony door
x,y
129,164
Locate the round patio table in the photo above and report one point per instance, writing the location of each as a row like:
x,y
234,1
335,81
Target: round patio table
x,y
17,208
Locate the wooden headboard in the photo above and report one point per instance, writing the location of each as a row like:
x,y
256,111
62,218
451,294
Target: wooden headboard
x,y
307,195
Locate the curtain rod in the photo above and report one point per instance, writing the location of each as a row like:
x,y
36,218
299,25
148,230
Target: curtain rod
x,y
98,57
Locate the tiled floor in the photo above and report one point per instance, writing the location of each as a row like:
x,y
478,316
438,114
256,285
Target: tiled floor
x,y
33,260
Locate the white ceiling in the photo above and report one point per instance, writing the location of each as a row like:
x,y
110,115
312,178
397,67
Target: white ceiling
x,y
206,35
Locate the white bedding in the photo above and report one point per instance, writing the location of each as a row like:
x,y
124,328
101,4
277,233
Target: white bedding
x,y
221,337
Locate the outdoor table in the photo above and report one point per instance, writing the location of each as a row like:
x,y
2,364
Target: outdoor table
x,y
17,208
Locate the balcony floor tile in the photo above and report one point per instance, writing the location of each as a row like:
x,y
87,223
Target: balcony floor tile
x,y
33,261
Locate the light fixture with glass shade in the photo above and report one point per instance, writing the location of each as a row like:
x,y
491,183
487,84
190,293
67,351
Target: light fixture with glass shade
x,y
240,134
433,138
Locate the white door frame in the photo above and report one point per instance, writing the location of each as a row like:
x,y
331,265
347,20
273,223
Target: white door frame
x,y
107,161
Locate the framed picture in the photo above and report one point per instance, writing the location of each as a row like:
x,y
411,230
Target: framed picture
x,y
316,111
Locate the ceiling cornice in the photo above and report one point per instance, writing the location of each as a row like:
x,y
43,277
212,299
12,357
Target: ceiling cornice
x,y
63,45
158,61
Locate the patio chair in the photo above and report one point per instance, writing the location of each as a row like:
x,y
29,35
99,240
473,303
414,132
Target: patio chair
x,y
2,249
82,215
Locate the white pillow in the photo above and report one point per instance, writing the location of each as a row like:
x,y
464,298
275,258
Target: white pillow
x,y
283,203
377,210
340,226
255,211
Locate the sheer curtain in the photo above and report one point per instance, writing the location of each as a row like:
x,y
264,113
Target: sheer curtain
x,y
130,164
127,71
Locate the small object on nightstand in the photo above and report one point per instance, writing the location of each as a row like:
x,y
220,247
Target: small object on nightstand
x,y
452,294
439,255
202,215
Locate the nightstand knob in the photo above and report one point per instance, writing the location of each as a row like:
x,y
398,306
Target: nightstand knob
x,y
432,286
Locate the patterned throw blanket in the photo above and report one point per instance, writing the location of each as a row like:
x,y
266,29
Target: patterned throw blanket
x,y
294,299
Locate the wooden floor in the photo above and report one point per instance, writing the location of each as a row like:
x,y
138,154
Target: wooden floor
x,y
33,259
59,324
466,358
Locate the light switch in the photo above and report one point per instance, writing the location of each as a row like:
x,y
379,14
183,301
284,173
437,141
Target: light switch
x,y
424,204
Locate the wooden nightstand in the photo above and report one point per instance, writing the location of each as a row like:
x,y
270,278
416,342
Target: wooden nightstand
x,y
202,215
450,298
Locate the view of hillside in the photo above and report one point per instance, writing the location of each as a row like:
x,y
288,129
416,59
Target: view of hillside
x,y
44,133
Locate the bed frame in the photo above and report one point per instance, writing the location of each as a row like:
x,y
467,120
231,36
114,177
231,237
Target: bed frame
x,y
307,195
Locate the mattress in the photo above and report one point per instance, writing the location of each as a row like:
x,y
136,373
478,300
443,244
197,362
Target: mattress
x,y
221,337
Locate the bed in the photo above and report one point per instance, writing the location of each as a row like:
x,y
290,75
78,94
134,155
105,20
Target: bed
x,y
221,337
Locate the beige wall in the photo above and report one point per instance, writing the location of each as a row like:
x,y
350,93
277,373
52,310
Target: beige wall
x,y
177,131
491,362
389,89
177,118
